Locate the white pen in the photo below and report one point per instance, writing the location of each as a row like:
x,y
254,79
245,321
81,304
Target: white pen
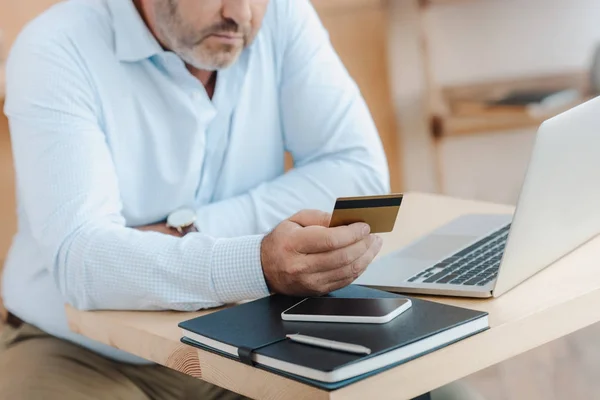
x,y
329,344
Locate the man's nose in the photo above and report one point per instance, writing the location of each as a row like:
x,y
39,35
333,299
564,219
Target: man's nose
x,y
238,11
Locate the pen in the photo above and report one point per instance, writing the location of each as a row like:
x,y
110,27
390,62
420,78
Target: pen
x,y
330,344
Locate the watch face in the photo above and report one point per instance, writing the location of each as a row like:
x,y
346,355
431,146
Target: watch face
x,y
181,218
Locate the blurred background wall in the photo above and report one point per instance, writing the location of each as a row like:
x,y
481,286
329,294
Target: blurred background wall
x,y
511,38
453,45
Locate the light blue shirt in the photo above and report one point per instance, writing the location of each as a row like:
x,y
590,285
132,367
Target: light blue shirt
x,y
110,132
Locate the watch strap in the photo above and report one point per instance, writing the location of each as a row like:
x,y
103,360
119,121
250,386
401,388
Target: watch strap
x,y
184,230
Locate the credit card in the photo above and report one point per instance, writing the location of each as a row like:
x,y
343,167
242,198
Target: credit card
x,y
380,212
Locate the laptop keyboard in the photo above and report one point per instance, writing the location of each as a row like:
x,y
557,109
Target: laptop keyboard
x,y
476,265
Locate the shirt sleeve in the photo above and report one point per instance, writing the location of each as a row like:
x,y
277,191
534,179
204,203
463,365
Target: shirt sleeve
x,y
327,128
69,194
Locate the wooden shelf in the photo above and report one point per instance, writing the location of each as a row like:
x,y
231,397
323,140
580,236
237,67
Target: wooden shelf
x,y
461,110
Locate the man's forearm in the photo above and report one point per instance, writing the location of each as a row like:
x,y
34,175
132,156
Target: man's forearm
x,y
113,267
312,186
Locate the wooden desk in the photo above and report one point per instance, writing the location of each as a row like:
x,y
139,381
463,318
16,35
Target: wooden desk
x,y
558,301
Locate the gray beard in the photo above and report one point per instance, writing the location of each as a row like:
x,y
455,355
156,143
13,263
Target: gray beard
x,y
195,62
184,46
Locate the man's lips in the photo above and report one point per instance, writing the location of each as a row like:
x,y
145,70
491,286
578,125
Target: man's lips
x,y
228,36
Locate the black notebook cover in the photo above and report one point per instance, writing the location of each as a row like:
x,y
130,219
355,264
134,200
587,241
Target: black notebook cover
x,y
258,325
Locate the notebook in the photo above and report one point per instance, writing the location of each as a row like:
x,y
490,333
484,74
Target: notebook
x,y
254,333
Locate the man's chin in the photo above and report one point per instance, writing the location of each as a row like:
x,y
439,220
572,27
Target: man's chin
x,y
215,60
223,62
226,62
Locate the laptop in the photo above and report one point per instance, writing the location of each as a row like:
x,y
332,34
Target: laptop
x,y
558,210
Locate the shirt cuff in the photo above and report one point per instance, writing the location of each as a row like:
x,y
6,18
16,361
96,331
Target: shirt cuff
x,y
229,218
237,272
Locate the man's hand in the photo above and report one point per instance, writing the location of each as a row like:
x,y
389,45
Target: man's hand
x,y
160,228
303,257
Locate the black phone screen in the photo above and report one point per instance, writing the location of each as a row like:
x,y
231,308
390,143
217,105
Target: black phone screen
x,y
324,306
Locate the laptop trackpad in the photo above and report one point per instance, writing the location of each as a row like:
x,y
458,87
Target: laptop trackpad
x,y
437,247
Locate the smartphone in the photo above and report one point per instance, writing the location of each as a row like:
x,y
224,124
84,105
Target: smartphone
x,y
334,309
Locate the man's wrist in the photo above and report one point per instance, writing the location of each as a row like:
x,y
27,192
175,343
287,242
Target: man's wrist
x,y
159,228
264,260
237,270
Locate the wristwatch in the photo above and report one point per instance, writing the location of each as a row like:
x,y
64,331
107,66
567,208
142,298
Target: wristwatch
x,y
182,220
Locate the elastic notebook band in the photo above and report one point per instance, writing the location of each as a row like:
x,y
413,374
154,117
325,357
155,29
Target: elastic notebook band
x,y
245,353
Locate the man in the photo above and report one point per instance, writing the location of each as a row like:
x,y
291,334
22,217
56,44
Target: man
x,y
125,114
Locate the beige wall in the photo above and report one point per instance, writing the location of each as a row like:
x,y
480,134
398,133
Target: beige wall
x,y
7,201
14,14
507,38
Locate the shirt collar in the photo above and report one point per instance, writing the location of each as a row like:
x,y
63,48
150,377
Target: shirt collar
x,y
133,39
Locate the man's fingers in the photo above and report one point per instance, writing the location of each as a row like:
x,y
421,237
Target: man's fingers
x,y
330,280
311,218
359,266
327,261
339,285
314,239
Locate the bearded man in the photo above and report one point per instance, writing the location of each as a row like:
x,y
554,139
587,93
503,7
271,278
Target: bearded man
x,y
149,140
